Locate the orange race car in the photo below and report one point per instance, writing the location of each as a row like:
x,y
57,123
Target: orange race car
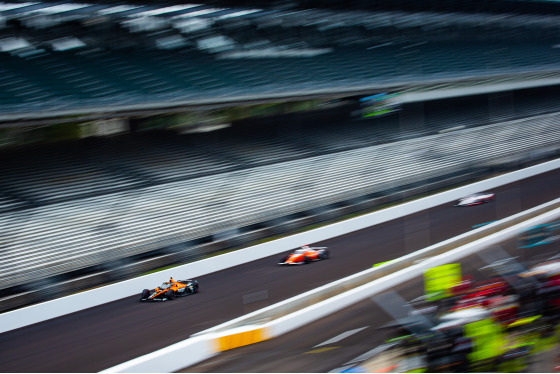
x,y
170,290
305,255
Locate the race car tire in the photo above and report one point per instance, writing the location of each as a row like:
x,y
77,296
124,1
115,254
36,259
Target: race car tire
x,y
170,295
195,288
145,294
306,260
325,255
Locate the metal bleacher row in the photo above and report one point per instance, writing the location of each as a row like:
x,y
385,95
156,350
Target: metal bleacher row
x,y
61,237
366,45
122,60
58,173
65,79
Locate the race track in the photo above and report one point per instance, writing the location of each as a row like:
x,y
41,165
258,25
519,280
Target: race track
x,y
104,336
344,339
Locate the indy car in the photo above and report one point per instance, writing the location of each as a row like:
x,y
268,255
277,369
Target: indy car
x,y
170,290
305,255
476,199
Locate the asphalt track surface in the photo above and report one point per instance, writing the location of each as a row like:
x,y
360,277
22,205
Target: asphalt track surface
x,y
346,339
107,335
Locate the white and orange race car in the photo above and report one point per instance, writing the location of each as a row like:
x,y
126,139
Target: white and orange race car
x,y
304,255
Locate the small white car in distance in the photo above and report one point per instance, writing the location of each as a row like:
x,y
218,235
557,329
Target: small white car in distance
x,y
476,199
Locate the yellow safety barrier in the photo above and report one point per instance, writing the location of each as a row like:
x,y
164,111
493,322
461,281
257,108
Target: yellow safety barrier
x,y
241,339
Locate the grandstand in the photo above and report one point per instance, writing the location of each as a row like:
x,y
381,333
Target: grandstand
x,y
66,55
159,203
91,210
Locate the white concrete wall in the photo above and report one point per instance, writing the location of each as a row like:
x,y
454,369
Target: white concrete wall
x,y
346,299
396,266
169,359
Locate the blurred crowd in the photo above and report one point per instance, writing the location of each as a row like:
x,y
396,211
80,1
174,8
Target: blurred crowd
x,y
510,323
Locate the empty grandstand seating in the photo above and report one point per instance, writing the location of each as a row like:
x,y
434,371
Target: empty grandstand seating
x,y
57,173
118,64
85,232
65,80
161,158
49,174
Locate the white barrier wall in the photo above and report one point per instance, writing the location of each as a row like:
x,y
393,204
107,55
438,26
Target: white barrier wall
x,y
169,359
223,339
346,299
69,304
356,280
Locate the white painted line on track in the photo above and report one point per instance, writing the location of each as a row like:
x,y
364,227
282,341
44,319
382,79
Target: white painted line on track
x,y
363,357
341,336
369,354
